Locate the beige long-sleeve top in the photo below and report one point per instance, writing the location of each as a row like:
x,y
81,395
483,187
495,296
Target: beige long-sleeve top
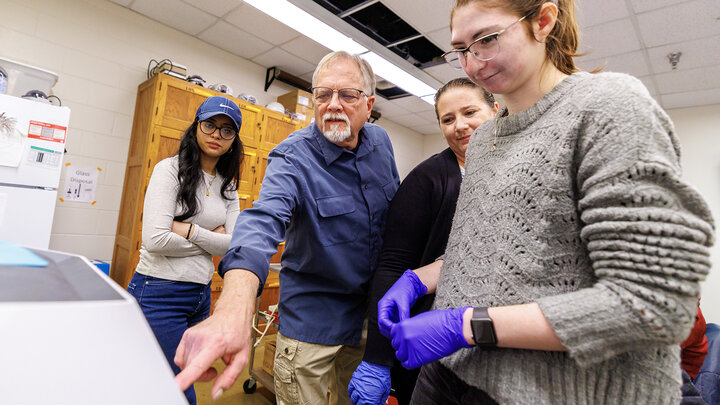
x,y
167,255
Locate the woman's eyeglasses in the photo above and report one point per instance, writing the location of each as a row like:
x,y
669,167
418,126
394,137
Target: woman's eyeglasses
x,y
484,48
208,128
323,95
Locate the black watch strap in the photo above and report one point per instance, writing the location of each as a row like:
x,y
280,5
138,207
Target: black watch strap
x,y
482,328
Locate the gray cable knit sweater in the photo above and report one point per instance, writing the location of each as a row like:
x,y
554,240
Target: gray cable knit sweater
x,y
582,209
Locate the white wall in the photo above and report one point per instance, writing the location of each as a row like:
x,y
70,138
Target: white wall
x,y
699,132
101,51
407,145
434,143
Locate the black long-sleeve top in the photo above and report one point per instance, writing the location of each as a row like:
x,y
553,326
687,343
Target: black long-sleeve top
x,y
416,234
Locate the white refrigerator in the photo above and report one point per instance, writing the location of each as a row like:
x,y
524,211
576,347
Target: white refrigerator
x,y
32,143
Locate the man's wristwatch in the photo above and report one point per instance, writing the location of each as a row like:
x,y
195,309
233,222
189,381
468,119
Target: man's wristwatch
x,y
482,328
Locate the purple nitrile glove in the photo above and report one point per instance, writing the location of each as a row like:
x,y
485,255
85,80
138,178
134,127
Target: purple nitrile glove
x,y
395,305
370,384
429,336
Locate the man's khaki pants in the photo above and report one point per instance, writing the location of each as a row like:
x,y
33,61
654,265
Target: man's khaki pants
x,y
304,372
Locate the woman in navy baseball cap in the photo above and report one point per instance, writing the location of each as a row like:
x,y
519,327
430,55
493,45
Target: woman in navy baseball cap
x,y
190,209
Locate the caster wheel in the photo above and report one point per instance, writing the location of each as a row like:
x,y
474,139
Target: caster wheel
x,y
249,386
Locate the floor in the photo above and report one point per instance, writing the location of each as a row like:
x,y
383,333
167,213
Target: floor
x,y
236,395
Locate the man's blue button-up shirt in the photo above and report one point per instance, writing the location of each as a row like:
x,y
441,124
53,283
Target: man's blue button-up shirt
x,y
330,205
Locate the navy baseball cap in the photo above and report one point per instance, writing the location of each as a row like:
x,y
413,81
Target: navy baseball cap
x,y
219,105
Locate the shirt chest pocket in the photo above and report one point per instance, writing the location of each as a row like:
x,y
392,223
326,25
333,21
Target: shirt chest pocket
x,y
337,220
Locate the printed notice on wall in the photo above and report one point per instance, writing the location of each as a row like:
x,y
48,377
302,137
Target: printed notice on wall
x,y
80,184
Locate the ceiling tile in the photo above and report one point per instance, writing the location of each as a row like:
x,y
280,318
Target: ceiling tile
x,y
614,38
123,3
235,40
641,6
692,99
217,8
307,76
285,61
307,49
695,54
631,63
593,12
250,19
444,73
410,120
441,38
425,118
388,108
588,65
423,15
413,104
429,116
649,83
680,81
687,21
176,14
430,129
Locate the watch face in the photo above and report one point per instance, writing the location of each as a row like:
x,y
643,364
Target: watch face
x,y
483,329
483,332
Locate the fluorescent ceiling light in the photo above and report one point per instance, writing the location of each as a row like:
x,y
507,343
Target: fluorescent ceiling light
x,y
397,76
308,25
304,23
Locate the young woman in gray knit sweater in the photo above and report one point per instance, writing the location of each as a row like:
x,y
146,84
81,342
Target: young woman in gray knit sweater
x,y
190,202
572,270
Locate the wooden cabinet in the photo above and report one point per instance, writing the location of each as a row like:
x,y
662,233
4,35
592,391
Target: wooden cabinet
x,y
164,109
275,127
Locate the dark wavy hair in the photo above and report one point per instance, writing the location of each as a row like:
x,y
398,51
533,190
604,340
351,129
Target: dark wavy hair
x,y
190,172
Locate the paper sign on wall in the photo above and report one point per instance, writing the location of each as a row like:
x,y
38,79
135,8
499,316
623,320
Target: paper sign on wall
x,y
80,184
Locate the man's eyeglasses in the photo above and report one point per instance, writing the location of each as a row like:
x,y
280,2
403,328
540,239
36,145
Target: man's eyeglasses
x,y
484,48
208,128
323,95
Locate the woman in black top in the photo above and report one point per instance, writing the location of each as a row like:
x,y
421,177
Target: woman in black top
x,y
417,231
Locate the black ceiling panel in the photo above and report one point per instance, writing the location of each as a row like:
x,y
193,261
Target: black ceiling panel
x,y
420,49
336,6
378,22
382,22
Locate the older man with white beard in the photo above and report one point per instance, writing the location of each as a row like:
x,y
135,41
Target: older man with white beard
x,y
326,191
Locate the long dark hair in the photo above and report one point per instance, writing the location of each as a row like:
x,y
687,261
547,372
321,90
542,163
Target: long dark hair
x,y
190,172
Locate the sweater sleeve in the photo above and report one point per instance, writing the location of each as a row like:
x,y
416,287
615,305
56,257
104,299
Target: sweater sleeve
x,y
646,231
217,243
406,233
159,212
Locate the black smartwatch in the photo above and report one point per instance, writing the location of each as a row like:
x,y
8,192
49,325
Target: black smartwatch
x,y
483,329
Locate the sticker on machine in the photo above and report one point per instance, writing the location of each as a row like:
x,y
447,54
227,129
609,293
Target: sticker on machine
x,y
47,132
42,157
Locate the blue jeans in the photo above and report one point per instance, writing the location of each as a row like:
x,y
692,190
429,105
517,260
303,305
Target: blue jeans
x,y
171,307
